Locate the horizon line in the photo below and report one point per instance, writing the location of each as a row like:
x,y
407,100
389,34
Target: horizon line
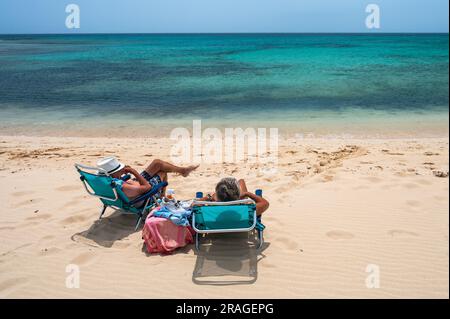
x,y
226,33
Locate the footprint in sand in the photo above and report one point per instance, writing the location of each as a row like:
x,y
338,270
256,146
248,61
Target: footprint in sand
x,y
67,188
29,202
359,187
46,238
20,194
274,221
424,182
84,259
73,219
338,234
287,243
283,189
11,284
440,198
28,224
413,203
39,217
410,185
7,228
268,265
399,232
71,203
373,179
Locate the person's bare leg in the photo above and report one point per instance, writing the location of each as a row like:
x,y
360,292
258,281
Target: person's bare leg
x,y
163,176
157,166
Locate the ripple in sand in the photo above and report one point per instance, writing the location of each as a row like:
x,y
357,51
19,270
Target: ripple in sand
x,y
338,234
23,193
83,259
29,202
73,219
9,285
39,217
399,232
67,188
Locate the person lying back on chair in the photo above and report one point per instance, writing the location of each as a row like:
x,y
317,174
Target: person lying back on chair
x,y
229,189
141,183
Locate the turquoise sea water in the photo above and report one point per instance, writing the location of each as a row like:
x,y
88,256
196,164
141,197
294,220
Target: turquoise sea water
x,y
299,82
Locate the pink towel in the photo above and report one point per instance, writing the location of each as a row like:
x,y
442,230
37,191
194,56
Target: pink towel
x,y
163,236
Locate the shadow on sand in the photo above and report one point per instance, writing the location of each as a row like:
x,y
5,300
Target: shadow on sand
x,y
105,231
228,259
223,259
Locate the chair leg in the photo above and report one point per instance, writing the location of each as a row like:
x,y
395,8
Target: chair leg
x,y
142,214
196,241
260,239
138,222
102,212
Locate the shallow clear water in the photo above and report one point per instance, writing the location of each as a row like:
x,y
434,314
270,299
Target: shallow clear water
x,y
297,81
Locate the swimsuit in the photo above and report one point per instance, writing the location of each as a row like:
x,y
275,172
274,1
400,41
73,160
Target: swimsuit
x,y
153,181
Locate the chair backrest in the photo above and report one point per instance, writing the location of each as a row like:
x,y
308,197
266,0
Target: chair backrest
x,y
224,217
103,186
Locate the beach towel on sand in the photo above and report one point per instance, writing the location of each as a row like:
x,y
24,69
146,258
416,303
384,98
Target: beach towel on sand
x,y
162,236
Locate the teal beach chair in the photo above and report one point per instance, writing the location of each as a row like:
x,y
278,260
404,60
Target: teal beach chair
x,y
226,217
100,184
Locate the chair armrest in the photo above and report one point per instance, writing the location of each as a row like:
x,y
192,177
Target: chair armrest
x,y
247,201
150,193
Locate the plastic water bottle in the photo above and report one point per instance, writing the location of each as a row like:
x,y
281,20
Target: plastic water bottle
x,y
169,194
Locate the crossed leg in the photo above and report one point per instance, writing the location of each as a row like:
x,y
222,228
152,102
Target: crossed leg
x,y
161,168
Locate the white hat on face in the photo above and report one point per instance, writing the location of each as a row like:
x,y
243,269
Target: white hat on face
x,y
110,164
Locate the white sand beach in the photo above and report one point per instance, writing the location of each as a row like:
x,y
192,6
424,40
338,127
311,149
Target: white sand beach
x,y
339,207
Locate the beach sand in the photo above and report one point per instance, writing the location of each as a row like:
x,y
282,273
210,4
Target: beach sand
x,y
342,211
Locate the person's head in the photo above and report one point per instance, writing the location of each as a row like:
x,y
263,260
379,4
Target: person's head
x,y
111,166
228,189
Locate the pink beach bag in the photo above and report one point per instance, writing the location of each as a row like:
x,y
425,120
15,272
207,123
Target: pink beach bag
x,y
163,236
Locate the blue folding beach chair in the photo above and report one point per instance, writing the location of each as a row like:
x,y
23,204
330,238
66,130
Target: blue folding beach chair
x,y
226,217
99,183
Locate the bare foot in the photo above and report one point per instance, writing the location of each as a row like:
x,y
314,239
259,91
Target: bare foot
x,y
188,170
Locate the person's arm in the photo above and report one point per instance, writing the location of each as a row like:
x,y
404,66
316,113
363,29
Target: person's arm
x,y
261,203
135,190
208,198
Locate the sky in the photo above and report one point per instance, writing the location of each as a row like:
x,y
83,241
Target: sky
x,y
222,16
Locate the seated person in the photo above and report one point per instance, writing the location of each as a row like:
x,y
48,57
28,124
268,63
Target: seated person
x,y
143,182
229,189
